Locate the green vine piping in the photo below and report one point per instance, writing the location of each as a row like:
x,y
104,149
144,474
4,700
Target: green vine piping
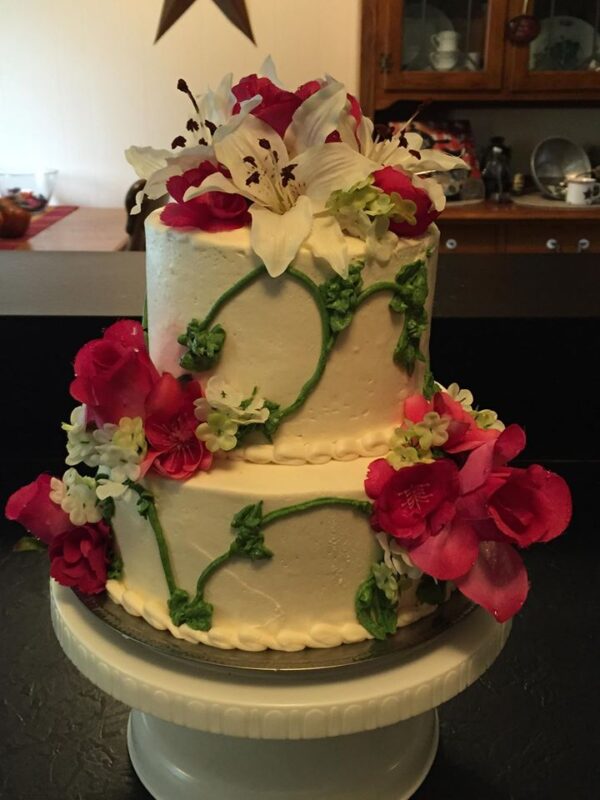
x,y
248,528
204,344
337,299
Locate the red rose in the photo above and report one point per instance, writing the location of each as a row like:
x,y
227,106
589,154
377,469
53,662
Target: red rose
x,y
174,450
32,508
390,179
277,106
213,211
79,557
114,374
415,502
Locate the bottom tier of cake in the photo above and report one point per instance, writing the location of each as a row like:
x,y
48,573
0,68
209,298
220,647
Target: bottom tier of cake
x,y
303,547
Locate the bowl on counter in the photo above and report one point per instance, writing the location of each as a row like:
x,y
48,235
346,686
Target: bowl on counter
x,y
29,190
552,160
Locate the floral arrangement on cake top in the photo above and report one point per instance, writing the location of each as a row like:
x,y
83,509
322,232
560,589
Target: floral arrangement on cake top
x,y
300,168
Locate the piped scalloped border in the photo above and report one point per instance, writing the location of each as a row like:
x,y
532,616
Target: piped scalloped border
x,y
246,637
295,451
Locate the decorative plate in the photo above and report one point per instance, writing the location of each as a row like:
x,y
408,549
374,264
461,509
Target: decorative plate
x,y
405,641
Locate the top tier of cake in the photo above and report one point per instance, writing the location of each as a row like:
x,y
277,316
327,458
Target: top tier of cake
x,y
277,332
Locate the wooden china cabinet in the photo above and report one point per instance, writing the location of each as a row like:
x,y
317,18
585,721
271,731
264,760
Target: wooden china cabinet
x,y
460,51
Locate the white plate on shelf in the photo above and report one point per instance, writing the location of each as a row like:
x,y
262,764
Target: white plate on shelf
x,y
572,30
416,42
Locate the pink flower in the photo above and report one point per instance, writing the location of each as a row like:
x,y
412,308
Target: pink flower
x,y
213,211
174,451
277,106
412,503
497,581
32,508
79,557
390,179
114,375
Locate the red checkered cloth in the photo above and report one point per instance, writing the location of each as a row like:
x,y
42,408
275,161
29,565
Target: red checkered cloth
x,y
39,222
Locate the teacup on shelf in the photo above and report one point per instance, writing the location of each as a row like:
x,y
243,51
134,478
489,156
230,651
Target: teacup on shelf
x,y
443,60
445,41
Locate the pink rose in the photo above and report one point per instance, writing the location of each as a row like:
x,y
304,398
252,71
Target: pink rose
x,y
277,106
174,450
213,211
391,179
79,557
32,508
412,503
114,375
528,505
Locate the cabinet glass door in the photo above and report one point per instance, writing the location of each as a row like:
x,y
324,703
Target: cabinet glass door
x,y
565,53
444,44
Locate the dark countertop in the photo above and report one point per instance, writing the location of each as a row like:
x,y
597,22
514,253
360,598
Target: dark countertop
x,y
527,729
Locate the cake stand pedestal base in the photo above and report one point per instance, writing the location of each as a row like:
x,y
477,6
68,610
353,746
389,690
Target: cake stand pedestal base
x,y
356,733
387,763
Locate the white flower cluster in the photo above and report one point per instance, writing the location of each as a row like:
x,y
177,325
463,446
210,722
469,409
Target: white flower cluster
x,y
116,451
484,418
409,445
223,410
396,572
290,180
76,495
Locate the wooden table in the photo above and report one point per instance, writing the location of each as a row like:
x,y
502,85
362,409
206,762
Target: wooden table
x,y
85,230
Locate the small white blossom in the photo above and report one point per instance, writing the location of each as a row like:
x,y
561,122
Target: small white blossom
x,y
396,558
118,445
221,396
462,396
112,483
218,432
409,445
386,581
76,495
488,420
81,447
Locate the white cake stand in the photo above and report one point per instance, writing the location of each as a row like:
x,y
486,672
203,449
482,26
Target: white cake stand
x,y
354,734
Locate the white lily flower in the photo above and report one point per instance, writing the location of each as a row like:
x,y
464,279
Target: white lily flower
x,y
286,193
212,110
157,166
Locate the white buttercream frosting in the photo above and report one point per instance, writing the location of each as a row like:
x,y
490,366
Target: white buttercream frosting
x,y
302,597
274,339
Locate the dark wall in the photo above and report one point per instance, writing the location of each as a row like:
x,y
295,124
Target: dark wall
x,y
540,373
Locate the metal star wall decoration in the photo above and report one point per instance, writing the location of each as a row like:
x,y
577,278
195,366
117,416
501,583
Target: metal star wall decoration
x,y
235,11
